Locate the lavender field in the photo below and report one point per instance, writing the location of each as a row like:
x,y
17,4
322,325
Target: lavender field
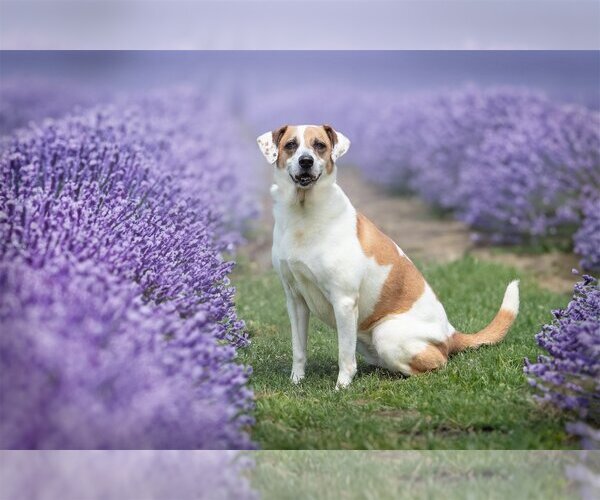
x,y
128,195
118,323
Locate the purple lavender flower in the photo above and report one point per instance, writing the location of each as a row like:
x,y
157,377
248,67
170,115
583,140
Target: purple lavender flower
x,y
590,437
87,364
568,376
587,238
526,178
512,164
584,473
117,318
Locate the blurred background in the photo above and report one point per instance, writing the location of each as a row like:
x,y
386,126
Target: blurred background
x,y
566,75
251,81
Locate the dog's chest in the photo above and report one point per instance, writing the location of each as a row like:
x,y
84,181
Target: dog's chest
x,y
308,258
305,263
322,260
299,276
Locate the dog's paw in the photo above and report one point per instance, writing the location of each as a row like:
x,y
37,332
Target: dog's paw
x,y
296,377
343,382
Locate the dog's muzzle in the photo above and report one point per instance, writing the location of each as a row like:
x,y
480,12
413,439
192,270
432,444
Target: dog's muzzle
x,y
305,177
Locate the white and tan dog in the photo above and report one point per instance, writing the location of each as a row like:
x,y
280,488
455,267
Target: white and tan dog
x,y
336,264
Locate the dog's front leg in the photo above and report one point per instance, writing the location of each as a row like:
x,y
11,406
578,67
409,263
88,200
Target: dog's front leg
x,y
299,314
346,319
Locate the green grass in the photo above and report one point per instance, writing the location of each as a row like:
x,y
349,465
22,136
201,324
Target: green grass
x,y
480,400
412,474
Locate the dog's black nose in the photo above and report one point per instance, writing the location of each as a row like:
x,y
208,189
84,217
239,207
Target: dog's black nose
x,y
306,161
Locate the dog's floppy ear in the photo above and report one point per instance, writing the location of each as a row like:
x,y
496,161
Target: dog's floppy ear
x,y
269,143
339,141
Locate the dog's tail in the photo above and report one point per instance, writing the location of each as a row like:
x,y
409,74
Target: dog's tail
x,y
496,330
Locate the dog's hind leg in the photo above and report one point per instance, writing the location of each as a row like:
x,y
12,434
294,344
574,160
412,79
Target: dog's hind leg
x,y
410,347
368,352
432,357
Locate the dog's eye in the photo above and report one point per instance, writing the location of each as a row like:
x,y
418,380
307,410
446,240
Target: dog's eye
x,y
290,145
320,146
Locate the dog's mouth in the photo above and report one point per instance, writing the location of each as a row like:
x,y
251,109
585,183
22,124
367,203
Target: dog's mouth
x,y
305,180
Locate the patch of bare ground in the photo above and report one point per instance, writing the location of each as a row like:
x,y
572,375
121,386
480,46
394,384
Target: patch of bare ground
x,y
551,270
397,413
421,235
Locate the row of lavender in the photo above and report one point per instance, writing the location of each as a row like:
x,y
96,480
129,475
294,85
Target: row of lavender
x,y
568,376
117,317
514,165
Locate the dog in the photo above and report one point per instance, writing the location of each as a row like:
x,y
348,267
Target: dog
x,y
335,263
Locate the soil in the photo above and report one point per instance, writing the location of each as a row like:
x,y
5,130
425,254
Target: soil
x,y
421,234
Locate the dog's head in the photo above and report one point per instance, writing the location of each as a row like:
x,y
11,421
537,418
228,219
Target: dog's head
x,y
305,153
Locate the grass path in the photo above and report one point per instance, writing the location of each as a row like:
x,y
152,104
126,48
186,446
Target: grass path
x,y
480,400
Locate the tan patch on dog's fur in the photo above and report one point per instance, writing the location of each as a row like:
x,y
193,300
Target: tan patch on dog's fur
x,y
491,334
280,137
434,356
404,284
314,135
333,138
